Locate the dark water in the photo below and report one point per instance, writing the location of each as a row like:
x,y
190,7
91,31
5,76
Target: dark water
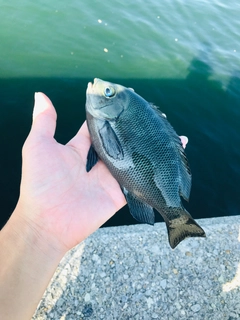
x,y
182,57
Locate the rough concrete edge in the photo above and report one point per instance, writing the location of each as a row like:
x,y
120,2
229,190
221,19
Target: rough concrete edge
x,y
206,223
216,228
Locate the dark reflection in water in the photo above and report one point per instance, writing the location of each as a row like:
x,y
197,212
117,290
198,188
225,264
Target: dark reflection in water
x,y
196,106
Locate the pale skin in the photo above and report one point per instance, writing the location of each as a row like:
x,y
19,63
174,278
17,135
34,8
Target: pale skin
x,y
60,204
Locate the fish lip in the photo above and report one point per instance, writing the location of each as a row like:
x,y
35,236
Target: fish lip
x,y
95,80
89,87
92,84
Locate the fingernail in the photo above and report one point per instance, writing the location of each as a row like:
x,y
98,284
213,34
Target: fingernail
x,y
40,104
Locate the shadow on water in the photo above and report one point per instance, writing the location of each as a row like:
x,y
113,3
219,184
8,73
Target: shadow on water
x,y
197,106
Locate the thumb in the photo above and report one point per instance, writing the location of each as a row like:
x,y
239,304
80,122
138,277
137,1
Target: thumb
x,y
44,116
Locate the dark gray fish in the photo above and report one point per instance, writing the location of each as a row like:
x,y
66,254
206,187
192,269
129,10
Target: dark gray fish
x,y
143,153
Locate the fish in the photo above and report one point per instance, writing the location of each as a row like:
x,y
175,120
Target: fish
x,y
143,153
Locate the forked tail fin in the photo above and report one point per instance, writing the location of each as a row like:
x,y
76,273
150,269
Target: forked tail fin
x,y
182,228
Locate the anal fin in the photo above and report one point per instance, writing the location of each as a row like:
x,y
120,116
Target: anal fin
x,y
138,209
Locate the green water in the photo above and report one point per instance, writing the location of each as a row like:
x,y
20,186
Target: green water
x,y
183,56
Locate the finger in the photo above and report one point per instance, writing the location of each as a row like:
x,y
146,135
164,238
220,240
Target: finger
x,y
82,136
184,141
44,116
84,130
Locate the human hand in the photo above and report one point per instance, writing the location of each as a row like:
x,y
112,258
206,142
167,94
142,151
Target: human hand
x,y
60,204
58,198
184,141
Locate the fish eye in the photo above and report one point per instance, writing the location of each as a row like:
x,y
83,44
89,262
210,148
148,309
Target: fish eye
x,y
109,92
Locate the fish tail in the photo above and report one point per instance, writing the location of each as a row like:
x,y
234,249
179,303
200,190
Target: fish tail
x,y
183,227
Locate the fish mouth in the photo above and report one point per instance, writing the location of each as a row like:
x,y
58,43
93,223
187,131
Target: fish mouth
x,y
89,87
95,80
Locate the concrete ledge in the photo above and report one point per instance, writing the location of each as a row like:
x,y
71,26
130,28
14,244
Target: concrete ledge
x,y
131,272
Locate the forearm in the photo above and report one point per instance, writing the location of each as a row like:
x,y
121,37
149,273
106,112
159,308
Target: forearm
x,y
27,263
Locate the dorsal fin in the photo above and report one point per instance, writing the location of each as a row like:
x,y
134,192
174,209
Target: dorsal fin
x,y
184,169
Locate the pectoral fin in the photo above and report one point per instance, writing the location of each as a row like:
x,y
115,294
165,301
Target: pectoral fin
x,y
139,210
110,142
92,159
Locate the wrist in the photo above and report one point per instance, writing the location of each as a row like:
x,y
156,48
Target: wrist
x,y
29,260
32,234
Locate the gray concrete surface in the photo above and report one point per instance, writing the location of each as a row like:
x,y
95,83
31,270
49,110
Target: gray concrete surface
x,y
131,272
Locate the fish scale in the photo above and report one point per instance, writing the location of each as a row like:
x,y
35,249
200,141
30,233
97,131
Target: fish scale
x,y
143,153
149,147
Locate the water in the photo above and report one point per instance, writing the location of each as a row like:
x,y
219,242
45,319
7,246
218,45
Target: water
x,y
182,56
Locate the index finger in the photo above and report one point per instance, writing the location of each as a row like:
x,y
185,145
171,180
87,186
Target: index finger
x,y
82,136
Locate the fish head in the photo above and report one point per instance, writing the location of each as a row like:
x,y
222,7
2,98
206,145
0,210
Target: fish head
x,y
106,100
